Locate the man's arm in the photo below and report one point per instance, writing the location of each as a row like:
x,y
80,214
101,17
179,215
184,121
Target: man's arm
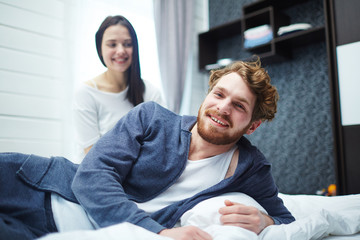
x,y
261,186
248,217
98,183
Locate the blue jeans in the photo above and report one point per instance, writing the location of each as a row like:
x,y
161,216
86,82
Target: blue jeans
x,y
25,212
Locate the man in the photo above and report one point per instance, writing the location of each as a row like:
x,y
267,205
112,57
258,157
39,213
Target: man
x,y
146,169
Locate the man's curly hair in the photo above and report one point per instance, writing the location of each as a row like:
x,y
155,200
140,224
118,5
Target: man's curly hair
x,y
258,80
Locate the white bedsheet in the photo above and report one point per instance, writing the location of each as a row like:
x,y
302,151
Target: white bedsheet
x,y
317,217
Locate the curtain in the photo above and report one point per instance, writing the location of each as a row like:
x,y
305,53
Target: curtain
x,y
174,28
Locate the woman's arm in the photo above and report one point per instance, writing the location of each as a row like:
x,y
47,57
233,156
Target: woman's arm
x,y
85,119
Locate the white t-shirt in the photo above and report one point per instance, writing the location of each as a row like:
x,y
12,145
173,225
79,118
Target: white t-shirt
x,y
96,112
197,176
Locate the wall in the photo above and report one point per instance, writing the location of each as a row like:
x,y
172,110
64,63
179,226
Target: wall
x,y
299,142
33,90
344,71
197,82
47,48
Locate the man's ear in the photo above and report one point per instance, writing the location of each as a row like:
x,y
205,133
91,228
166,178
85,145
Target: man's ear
x,y
253,127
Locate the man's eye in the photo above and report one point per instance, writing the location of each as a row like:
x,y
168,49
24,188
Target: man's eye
x,y
238,105
218,94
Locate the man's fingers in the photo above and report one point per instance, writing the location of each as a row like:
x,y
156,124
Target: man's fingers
x,y
204,235
186,233
236,208
244,221
236,218
228,203
245,226
243,216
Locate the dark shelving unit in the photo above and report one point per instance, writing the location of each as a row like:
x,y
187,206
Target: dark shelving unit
x,y
257,14
208,41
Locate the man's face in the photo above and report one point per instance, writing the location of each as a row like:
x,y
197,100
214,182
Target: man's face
x,y
225,115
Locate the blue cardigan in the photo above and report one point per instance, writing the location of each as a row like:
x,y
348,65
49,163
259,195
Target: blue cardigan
x,y
142,156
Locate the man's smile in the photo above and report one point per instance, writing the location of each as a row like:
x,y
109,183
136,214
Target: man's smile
x,y
219,121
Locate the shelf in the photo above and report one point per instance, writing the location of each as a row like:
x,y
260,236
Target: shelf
x,y
257,18
279,4
293,40
263,48
280,48
256,14
302,38
208,41
224,31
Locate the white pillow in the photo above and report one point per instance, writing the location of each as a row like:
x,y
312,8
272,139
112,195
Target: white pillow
x,y
207,213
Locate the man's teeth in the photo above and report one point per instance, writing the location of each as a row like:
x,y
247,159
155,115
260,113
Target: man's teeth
x,y
218,121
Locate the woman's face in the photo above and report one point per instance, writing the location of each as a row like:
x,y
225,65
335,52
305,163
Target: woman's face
x,y
117,48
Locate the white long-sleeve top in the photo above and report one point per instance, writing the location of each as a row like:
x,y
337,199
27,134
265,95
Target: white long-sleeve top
x,y
96,112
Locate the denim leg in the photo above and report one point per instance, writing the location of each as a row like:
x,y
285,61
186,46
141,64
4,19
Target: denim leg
x,y
11,228
24,211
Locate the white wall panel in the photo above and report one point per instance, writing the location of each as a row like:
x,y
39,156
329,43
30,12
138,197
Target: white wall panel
x,y
29,63
28,106
30,21
20,128
349,82
42,148
33,90
30,42
53,8
20,83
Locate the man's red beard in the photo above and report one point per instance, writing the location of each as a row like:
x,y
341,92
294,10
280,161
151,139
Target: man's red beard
x,y
211,133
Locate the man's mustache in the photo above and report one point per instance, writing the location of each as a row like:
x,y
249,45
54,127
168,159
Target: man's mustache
x,y
215,113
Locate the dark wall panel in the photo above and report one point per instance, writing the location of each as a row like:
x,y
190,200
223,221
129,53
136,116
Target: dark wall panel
x,y
299,142
352,153
347,31
346,21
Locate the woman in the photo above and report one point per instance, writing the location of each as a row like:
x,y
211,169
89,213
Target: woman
x,y
103,100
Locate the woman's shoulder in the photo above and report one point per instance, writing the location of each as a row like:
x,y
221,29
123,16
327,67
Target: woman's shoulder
x,y
150,86
91,83
89,86
153,93
85,94
84,89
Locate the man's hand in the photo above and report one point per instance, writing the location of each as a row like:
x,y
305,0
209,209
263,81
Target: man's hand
x,y
186,233
248,217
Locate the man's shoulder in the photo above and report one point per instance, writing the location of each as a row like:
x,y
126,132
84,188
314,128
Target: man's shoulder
x,y
153,110
152,107
245,145
149,104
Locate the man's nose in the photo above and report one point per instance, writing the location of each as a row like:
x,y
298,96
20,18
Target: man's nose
x,y
224,107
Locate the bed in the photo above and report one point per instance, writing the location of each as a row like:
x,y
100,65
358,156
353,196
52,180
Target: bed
x,y
317,217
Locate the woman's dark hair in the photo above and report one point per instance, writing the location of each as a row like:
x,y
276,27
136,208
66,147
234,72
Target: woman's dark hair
x,y
134,82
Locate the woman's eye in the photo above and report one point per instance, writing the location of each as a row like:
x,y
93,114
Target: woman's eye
x,y
128,44
112,45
